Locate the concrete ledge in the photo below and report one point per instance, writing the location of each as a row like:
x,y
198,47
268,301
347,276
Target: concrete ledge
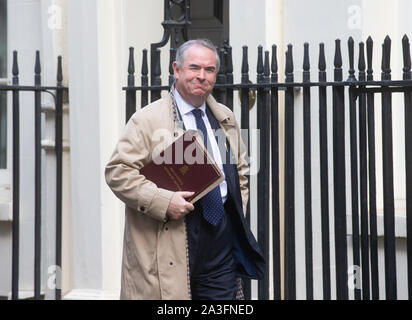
x,y
49,145
26,295
400,225
86,294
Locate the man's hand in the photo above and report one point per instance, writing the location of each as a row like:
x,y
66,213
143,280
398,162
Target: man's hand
x,y
178,206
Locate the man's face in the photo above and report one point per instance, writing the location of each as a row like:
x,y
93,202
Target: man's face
x,y
196,76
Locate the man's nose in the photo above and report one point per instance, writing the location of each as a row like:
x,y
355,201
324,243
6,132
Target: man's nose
x,y
201,74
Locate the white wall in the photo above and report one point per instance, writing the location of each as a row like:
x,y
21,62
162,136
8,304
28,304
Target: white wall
x,y
396,24
100,33
252,25
29,30
26,16
141,27
296,22
318,21
87,221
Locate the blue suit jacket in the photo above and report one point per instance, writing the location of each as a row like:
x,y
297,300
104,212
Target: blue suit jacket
x,y
247,253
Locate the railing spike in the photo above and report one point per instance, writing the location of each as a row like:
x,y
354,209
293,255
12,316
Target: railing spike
x,y
322,60
222,69
306,63
259,65
229,74
15,69
157,68
406,57
351,52
172,58
369,56
386,57
387,60
131,69
266,65
145,67
144,78
289,59
245,63
59,71
37,66
274,66
289,64
322,63
338,55
361,62
229,65
259,68
37,69
338,62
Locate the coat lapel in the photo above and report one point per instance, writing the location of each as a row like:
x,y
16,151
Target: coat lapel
x,y
252,258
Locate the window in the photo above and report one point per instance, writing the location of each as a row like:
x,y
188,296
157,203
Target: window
x,y
3,80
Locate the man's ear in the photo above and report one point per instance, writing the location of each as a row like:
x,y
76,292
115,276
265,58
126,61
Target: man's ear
x,y
175,69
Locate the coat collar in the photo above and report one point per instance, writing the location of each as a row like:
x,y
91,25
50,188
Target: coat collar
x,y
221,113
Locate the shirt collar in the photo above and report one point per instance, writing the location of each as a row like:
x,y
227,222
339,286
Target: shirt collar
x,y
185,107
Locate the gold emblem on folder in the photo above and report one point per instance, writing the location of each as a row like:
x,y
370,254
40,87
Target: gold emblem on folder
x,y
184,169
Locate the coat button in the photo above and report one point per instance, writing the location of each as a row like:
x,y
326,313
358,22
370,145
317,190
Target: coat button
x,y
141,208
166,228
176,134
171,263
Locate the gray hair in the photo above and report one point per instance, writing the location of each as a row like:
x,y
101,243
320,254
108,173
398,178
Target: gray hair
x,y
181,51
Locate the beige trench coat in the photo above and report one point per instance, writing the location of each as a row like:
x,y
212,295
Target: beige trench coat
x,y
155,255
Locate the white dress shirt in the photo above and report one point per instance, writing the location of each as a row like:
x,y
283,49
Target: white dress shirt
x,y
189,121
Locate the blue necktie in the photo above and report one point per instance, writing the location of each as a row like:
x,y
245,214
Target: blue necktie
x,y
211,203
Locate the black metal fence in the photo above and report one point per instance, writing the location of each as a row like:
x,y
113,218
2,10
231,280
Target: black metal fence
x,y
57,92
356,93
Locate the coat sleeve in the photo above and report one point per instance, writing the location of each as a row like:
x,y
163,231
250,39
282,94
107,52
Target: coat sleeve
x,y
243,169
122,173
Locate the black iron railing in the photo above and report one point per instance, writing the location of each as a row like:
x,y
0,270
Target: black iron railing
x,y
57,92
357,94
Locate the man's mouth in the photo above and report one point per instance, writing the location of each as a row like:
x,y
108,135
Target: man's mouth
x,y
199,86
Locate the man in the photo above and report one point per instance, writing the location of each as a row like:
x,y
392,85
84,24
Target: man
x,y
172,248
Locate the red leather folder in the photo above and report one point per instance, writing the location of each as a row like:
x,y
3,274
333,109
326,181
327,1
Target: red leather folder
x,y
185,165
